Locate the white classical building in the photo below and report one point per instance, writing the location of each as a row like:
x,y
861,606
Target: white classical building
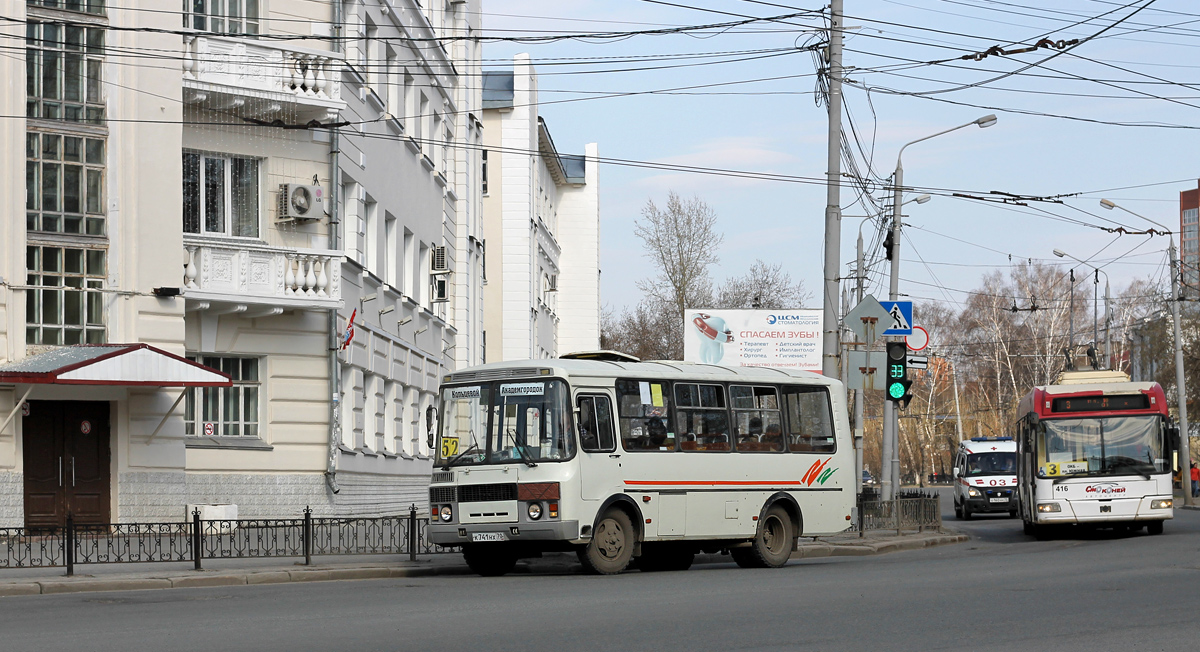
x,y
542,228
200,219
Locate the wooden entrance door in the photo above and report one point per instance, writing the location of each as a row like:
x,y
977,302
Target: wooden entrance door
x,y
67,454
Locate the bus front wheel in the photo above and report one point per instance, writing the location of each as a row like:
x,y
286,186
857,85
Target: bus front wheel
x,y
1154,527
489,560
772,545
611,548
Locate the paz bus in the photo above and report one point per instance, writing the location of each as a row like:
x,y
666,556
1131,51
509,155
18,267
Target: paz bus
x,y
620,460
1095,449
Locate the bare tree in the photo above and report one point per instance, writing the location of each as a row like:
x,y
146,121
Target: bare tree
x,y
765,286
682,242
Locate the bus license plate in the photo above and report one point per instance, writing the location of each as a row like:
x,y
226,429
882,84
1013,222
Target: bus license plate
x,y
998,500
488,536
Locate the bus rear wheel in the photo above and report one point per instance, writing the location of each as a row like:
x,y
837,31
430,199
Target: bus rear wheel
x,y
611,548
490,560
772,544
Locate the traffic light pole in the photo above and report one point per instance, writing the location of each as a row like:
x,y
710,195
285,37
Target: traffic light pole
x,y
891,420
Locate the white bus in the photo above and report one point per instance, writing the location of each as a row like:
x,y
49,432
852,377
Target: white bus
x,y
1095,449
656,461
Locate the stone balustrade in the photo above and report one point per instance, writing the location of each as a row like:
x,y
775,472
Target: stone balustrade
x,y
256,273
226,65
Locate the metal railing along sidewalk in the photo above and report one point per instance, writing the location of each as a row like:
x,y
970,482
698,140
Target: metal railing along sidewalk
x,y
199,539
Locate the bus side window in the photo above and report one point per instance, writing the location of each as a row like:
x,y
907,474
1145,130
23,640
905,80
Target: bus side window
x,y
596,425
644,416
809,420
756,418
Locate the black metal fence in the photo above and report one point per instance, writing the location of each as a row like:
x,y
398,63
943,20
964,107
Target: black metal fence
x,y
911,510
199,539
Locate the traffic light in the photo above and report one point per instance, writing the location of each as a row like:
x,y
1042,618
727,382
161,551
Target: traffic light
x,y
897,374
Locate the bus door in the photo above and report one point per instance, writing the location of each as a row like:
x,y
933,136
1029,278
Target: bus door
x,y
600,462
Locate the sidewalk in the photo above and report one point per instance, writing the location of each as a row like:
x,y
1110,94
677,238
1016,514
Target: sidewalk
x,y
237,572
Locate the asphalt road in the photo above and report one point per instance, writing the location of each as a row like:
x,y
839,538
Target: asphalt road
x,y
1001,591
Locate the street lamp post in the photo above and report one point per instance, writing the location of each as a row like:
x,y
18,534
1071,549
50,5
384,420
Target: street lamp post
x,y
1096,306
1185,453
891,426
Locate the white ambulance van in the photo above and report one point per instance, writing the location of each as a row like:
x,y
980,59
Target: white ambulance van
x,y
985,477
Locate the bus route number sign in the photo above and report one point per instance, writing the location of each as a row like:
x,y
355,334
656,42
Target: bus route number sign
x,y
449,447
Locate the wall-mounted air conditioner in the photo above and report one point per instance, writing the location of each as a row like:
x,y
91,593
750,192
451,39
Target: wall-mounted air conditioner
x,y
437,261
440,289
300,202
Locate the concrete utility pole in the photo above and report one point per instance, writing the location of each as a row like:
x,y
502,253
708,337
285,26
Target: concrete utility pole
x,y
833,203
1185,444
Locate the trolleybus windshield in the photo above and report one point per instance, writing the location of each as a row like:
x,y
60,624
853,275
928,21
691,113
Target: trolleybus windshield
x,y
530,422
1131,445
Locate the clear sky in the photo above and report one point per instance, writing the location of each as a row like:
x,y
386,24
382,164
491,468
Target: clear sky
x,y
753,109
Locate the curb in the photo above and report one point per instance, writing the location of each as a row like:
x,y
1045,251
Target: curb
x,y
88,585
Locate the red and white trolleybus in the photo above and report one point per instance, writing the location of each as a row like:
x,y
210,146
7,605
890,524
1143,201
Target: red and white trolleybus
x,y
1095,449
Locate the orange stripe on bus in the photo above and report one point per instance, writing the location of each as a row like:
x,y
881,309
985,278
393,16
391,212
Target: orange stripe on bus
x,y
710,482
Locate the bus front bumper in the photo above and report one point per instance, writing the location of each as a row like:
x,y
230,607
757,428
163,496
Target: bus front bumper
x,y
457,535
1094,511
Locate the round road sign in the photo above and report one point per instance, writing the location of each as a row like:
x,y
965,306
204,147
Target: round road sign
x,y
918,340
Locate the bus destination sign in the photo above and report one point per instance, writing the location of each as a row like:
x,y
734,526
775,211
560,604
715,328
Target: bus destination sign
x,y
1102,403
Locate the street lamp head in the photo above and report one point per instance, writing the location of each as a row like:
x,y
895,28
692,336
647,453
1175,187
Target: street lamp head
x,y
924,198
1107,204
1060,253
987,121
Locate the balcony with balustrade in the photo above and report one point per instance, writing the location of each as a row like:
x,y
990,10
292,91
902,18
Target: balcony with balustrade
x,y
263,80
258,280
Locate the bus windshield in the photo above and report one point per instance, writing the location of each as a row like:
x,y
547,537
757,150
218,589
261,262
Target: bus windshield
x,y
992,464
1102,446
530,422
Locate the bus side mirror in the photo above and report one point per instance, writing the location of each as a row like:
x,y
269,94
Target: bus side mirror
x,y
1034,419
955,471
430,419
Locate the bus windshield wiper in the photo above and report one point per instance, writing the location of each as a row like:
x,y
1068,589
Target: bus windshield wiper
x,y
473,447
521,450
1125,462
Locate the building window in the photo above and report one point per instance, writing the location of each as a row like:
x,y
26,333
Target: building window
x,y
220,195
63,72
483,173
220,16
65,304
64,183
1190,215
225,411
84,6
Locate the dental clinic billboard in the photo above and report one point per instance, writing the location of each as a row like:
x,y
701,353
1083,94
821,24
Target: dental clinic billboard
x,y
788,339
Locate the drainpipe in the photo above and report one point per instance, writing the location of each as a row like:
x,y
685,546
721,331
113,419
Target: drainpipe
x,y
335,225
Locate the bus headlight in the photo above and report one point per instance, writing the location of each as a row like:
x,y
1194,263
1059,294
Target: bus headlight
x,y
535,511
973,492
1049,507
1160,504
447,513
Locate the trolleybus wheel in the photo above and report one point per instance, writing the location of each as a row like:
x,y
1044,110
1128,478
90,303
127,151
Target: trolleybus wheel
x,y
611,547
490,560
772,545
1154,527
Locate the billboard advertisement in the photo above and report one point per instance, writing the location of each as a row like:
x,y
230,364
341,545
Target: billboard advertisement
x,y
754,338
